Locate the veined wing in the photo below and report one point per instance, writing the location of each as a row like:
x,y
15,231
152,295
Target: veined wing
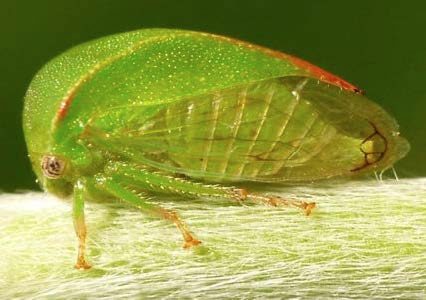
x,y
272,130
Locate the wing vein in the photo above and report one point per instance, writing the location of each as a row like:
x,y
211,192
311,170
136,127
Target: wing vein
x,y
268,101
216,104
282,130
237,123
297,147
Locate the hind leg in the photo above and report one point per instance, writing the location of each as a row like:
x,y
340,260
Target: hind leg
x,y
275,201
162,183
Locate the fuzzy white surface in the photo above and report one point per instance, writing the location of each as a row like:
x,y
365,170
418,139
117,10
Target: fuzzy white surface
x,y
366,239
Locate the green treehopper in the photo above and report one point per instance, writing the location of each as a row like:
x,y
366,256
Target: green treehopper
x,y
152,111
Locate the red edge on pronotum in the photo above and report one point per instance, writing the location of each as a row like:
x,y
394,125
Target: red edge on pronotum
x,y
323,75
63,109
315,71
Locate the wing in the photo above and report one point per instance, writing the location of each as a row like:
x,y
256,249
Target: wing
x,y
282,129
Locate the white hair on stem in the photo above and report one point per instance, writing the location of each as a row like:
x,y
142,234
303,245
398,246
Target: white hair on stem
x,y
363,239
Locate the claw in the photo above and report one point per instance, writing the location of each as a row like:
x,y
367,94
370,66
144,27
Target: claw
x,y
82,265
191,243
308,207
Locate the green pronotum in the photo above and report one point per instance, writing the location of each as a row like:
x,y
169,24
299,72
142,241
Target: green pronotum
x,y
171,111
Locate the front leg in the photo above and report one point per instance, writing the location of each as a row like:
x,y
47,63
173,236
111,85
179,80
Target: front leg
x,y
79,223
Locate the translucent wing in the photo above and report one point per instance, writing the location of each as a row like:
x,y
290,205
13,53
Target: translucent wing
x,y
283,129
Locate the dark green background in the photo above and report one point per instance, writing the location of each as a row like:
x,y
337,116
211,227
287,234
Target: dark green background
x,y
377,45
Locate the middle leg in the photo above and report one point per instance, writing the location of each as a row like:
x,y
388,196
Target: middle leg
x,y
114,186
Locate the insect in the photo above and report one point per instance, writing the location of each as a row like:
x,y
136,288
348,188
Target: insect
x,y
159,111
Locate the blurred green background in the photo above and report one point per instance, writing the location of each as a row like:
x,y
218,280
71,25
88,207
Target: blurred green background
x,y
378,45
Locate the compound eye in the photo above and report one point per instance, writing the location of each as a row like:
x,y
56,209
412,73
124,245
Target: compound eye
x,y
52,166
